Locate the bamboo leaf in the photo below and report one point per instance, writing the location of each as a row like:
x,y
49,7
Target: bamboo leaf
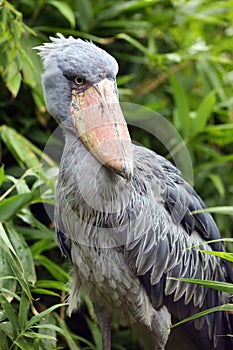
x,y
182,106
226,307
13,260
23,253
23,310
10,313
216,285
10,206
7,328
20,147
14,83
218,210
53,268
37,318
218,183
223,255
65,9
203,113
22,344
52,284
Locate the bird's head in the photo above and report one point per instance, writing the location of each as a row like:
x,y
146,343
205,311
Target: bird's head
x,y
79,82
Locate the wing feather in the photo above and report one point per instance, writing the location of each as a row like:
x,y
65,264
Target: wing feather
x,y
163,247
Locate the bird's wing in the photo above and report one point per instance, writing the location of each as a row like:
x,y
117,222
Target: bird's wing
x,y
159,243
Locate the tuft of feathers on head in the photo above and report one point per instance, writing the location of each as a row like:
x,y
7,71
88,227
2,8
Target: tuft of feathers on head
x,y
57,44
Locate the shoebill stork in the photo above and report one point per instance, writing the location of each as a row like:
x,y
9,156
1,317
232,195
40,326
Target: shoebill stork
x,y
123,214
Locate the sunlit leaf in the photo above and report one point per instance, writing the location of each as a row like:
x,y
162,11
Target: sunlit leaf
x,y
218,210
14,83
216,285
222,255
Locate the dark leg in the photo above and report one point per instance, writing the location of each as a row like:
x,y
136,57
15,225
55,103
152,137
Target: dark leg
x,y
105,326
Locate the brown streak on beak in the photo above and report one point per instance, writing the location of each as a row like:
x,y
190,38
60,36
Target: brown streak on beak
x,y
100,124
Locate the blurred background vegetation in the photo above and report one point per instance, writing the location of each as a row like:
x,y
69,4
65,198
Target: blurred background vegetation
x,y
175,57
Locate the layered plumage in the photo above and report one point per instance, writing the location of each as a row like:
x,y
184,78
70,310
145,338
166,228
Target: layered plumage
x,y
127,235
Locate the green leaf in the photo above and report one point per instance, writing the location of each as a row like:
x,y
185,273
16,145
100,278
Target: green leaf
x,y
22,343
8,294
23,253
96,333
72,344
37,318
2,174
223,255
218,210
14,83
54,328
226,307
85,12
65,9
8,282
216,285
13,260
45,292
53,268
22,149
43,245
38,335
7,328
23,310
203,113
133,42
52,284
10,206
211,74
218,183
220,134
5,240
117,8
10,313
182,106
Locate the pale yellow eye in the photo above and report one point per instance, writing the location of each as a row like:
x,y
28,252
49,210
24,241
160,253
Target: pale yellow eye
x,y
79,81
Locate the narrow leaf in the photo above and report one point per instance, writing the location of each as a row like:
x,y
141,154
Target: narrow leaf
x,y
182,106
65,9
13,84
216,285
23,310
53,268
223,255
10,313
218,210
35,319
203,113
226,307
10,206
7,328
23,253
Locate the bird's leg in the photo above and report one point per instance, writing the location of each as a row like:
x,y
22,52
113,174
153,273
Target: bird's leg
x,y
105,326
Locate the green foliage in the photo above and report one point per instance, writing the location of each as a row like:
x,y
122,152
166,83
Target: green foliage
x,y
175,58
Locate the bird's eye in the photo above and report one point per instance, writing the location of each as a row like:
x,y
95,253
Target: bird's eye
x,y
79,81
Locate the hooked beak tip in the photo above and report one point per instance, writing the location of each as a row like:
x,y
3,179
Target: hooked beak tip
x,y
126,173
